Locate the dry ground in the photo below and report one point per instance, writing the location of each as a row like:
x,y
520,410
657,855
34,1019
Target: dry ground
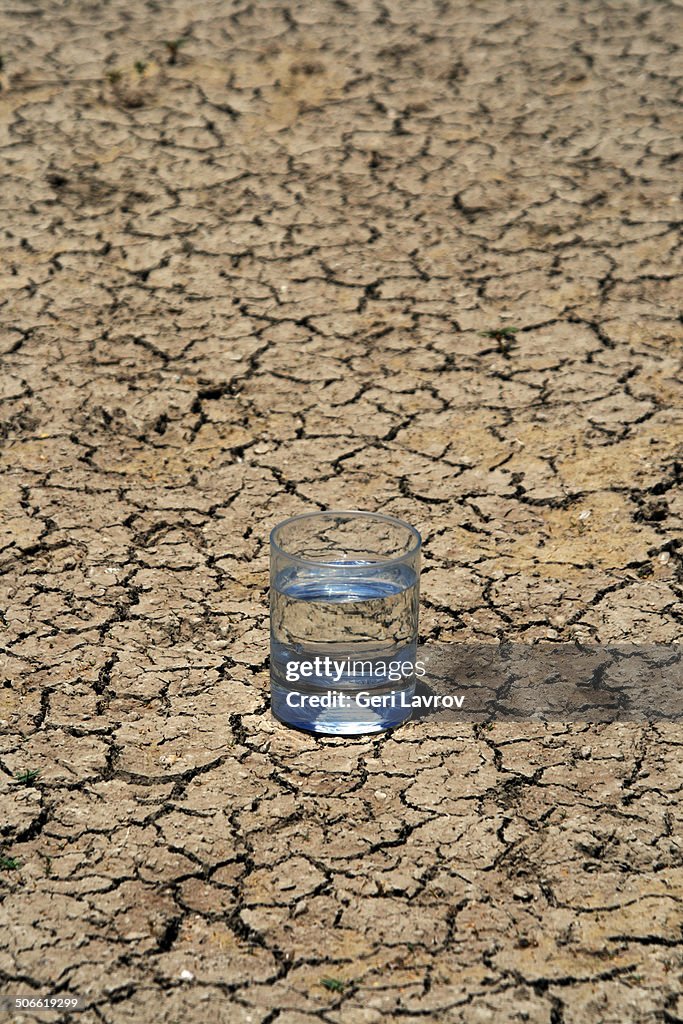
x,y
251,275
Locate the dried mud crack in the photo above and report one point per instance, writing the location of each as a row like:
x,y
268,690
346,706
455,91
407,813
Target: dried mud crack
x,y
258,259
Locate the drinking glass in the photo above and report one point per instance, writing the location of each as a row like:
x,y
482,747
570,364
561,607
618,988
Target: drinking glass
x,y
344,602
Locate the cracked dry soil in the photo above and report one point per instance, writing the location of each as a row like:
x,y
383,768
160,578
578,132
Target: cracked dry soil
x,y
251,275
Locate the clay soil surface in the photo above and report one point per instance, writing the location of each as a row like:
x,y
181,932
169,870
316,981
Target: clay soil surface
x,y
418,257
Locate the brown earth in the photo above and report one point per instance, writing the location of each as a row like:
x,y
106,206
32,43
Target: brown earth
x,y
252,275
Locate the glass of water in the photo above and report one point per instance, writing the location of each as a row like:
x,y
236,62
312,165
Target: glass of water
x,y
344,603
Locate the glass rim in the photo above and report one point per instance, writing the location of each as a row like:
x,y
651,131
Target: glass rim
x,y
355,513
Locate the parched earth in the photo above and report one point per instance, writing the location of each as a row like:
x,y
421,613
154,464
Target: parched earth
x,y
259,259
